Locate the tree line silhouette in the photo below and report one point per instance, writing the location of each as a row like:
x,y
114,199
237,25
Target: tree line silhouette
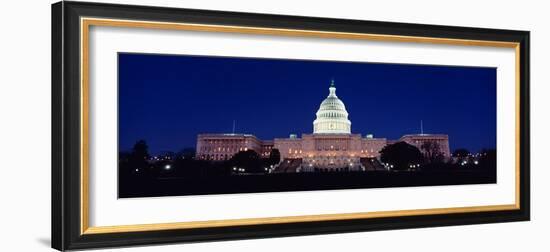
x,y
138,163
400,156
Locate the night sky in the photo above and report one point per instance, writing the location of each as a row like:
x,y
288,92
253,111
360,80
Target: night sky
x,y
168,99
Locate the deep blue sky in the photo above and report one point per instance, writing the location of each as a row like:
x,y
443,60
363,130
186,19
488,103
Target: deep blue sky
x,y
168,99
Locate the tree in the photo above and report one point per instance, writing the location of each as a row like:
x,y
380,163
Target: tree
x,y
274,157
248,160
461,153
167,155
432,151
140,151
186,153
138,159
401,155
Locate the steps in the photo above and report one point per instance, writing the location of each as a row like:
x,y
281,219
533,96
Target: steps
x,y
372,164
289,165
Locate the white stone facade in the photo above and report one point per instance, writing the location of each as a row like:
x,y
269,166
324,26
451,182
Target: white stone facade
x,y
418,140
219,147
332,117
329,150
331,146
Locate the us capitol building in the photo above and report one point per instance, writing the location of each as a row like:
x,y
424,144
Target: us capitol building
x,y
331,147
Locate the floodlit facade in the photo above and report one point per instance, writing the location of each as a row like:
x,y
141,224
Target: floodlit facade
x,y
330,147
332,117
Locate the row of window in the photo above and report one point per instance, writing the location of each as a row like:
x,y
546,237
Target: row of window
x,y
324,126
223,149
295,151
216,157
225,141
332,115
223,156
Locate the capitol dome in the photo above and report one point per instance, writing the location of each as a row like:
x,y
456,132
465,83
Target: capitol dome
x,y
332,117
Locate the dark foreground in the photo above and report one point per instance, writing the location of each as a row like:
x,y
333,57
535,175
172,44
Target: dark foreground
x,y
179,186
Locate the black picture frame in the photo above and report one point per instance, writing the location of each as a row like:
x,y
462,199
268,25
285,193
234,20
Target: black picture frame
x,y
66,124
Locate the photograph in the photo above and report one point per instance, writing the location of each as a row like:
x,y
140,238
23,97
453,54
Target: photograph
x,y
188,123
196,124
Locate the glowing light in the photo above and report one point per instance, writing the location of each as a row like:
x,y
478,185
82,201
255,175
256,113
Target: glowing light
x,y
167,167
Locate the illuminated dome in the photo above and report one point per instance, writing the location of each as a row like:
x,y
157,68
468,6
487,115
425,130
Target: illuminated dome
x,y
332,117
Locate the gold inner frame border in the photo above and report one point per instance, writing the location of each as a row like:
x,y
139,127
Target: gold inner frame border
x,y
86,23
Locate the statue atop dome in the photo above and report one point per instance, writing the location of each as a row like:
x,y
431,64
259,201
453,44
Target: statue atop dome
x,y
332,117
332,89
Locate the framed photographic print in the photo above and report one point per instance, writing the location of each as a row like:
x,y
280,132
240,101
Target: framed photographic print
x,y
180,125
